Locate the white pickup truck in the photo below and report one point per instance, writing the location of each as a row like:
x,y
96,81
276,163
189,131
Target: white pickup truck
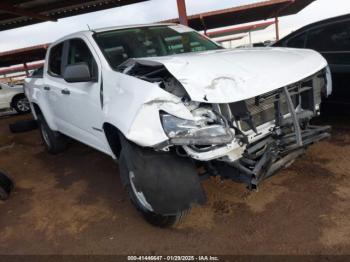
x,y
174,107
13,97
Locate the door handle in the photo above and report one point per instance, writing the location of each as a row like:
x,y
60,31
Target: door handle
x,y
65,92
47,88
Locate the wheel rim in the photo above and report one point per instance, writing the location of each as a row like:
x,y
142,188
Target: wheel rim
x,y
23,105
139,195
45,136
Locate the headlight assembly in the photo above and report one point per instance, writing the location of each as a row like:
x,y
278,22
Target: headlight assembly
x,y
203,131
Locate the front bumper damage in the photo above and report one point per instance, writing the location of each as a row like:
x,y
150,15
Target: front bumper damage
x,y
263,159
262,133
286,142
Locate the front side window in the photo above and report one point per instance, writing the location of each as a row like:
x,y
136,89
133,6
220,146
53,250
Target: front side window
x,y
79,53
297,42
120,45
335,37
55,60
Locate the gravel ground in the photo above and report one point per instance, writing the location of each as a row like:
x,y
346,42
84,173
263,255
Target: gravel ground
x,y
73,203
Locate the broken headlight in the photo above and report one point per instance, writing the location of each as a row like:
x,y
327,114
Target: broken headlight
x,y
204,130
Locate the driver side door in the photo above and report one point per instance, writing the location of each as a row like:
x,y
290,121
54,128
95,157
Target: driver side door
x,y
80,101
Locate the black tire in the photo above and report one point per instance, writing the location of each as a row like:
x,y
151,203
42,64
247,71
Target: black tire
x,y
6,186
23,126
21,104
154,219
54,142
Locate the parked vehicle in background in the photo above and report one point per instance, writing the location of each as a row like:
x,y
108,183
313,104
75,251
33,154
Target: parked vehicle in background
x,y
13,97
331,38
173,108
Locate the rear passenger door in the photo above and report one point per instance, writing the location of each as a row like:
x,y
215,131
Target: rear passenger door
x,y
51,90
80,102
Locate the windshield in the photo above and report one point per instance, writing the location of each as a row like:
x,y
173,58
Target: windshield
x,y
120,45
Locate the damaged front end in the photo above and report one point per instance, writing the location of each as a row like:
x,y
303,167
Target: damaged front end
x,y
248,140
274,128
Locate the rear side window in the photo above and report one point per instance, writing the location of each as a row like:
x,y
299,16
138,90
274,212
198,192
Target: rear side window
x,y
335,37
55,60
79,52
38,73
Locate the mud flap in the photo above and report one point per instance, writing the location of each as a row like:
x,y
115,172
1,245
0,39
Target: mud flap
x,y
169,183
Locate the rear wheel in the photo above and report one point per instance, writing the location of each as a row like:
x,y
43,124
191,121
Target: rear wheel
x,y
21,104
139,201
54,141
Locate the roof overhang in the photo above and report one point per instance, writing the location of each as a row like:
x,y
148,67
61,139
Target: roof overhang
x,y
232,38
20,68
245,14
17,13
240,29
23,55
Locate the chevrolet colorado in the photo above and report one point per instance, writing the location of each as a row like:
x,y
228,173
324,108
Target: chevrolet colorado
x,y
173,108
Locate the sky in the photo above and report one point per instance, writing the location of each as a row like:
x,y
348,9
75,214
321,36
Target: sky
x,y
158,10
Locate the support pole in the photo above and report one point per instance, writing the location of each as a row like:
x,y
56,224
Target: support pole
x,y
181,6
277,28
250,39
26,68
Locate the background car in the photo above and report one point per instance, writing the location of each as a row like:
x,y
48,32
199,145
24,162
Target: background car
x,y
13,97
331,38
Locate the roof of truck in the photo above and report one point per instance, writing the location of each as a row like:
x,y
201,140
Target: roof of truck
x,y
106,29
15,13
112,28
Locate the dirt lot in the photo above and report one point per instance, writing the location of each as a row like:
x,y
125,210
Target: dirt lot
x,y
73,203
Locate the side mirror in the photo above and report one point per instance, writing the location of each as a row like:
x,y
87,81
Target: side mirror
x,y
77,73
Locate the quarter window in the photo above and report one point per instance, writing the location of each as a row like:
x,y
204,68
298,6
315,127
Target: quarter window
x,y
297,42
55,60
38,73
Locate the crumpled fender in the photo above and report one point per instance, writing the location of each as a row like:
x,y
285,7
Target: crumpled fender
x,y
169,183
133,105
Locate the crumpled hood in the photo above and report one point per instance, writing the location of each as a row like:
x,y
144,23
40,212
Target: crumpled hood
x,y
227,76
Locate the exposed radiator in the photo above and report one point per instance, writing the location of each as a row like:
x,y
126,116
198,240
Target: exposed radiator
x,y
305,95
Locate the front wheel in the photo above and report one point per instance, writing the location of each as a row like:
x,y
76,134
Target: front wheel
x,y
21,104
139,201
